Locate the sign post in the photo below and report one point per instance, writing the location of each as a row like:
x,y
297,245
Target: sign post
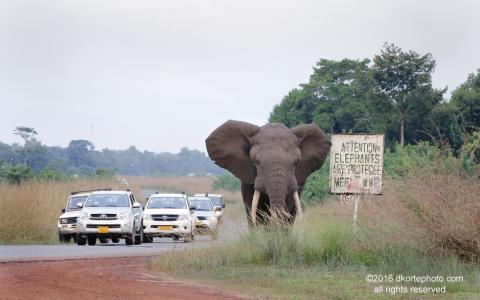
x,y
356,167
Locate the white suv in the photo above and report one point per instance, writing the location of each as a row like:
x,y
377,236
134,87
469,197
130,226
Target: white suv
x,y
218,204
110,214
67,222
206,222
168,215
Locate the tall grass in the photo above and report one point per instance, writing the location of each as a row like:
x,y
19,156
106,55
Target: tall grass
x,y
317,241
438,212
29,211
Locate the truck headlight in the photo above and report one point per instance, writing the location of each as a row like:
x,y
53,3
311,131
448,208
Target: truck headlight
x,y
83,216
64,221
147,217
182,217
123,216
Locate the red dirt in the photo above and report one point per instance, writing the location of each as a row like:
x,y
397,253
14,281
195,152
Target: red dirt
x,y
116,278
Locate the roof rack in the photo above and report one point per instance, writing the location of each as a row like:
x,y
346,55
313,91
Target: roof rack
x,y
88,191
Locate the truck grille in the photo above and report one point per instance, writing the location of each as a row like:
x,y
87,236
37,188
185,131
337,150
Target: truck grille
x,y
164,217
72,220
103,225
202,218
103,216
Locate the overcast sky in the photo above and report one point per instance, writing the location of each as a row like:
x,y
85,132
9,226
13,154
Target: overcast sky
x,y
161,75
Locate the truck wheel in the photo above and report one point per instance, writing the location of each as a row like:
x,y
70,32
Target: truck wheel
x,y
215,234
188,238
130,238
61,238
92,240
115,240
139,236
147,238
81,241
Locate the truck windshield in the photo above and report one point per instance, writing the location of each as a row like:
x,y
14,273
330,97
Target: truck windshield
x,y
107,200
72,202
201,204
166,202
216,201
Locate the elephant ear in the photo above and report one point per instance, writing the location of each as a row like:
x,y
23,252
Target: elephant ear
x,y
314,147
229,147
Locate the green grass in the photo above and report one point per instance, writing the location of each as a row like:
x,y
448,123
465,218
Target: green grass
x,y
318,259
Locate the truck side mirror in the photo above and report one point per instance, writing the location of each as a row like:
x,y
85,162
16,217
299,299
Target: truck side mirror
x,y
63,210
223,205
79,204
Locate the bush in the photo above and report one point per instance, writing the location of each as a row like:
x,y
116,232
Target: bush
x,y
470,152
226,182
104,173
15,174
316,187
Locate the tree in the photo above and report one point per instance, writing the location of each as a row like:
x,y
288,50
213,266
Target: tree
x,y
26,133
466,100
335,98
404,79
78,152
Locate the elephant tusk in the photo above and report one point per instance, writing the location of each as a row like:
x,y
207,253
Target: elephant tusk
x,y
255,200
298,205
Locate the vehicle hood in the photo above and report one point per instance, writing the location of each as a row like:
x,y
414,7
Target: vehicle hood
x,y
98,210
70,214
166,211
204,213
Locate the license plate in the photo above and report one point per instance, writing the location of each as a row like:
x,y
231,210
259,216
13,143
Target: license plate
x,y
198,223
102,229
164,227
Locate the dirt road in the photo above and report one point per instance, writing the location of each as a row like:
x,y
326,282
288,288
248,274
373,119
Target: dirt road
x,y
116,278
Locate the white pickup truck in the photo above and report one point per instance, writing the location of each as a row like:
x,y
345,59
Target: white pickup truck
x,y
110,215
67,222
168,215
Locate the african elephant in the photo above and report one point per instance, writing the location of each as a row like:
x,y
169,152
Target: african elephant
x,y
272,163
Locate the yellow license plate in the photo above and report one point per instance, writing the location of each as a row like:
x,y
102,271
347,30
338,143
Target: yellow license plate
x,y
198,223
102,229
164,227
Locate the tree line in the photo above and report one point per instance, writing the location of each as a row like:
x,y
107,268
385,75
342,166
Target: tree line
x,y
81,158
391,94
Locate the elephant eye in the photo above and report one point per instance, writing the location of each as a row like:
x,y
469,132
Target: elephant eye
x,y
256,161
296,161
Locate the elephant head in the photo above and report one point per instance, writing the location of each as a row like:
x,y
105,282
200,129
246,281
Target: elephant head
x,y
274,159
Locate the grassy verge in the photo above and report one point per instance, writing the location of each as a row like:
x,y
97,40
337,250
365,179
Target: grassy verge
x,y
322,259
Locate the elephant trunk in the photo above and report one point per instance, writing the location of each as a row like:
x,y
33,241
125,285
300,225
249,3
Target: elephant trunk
x,y
277,190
